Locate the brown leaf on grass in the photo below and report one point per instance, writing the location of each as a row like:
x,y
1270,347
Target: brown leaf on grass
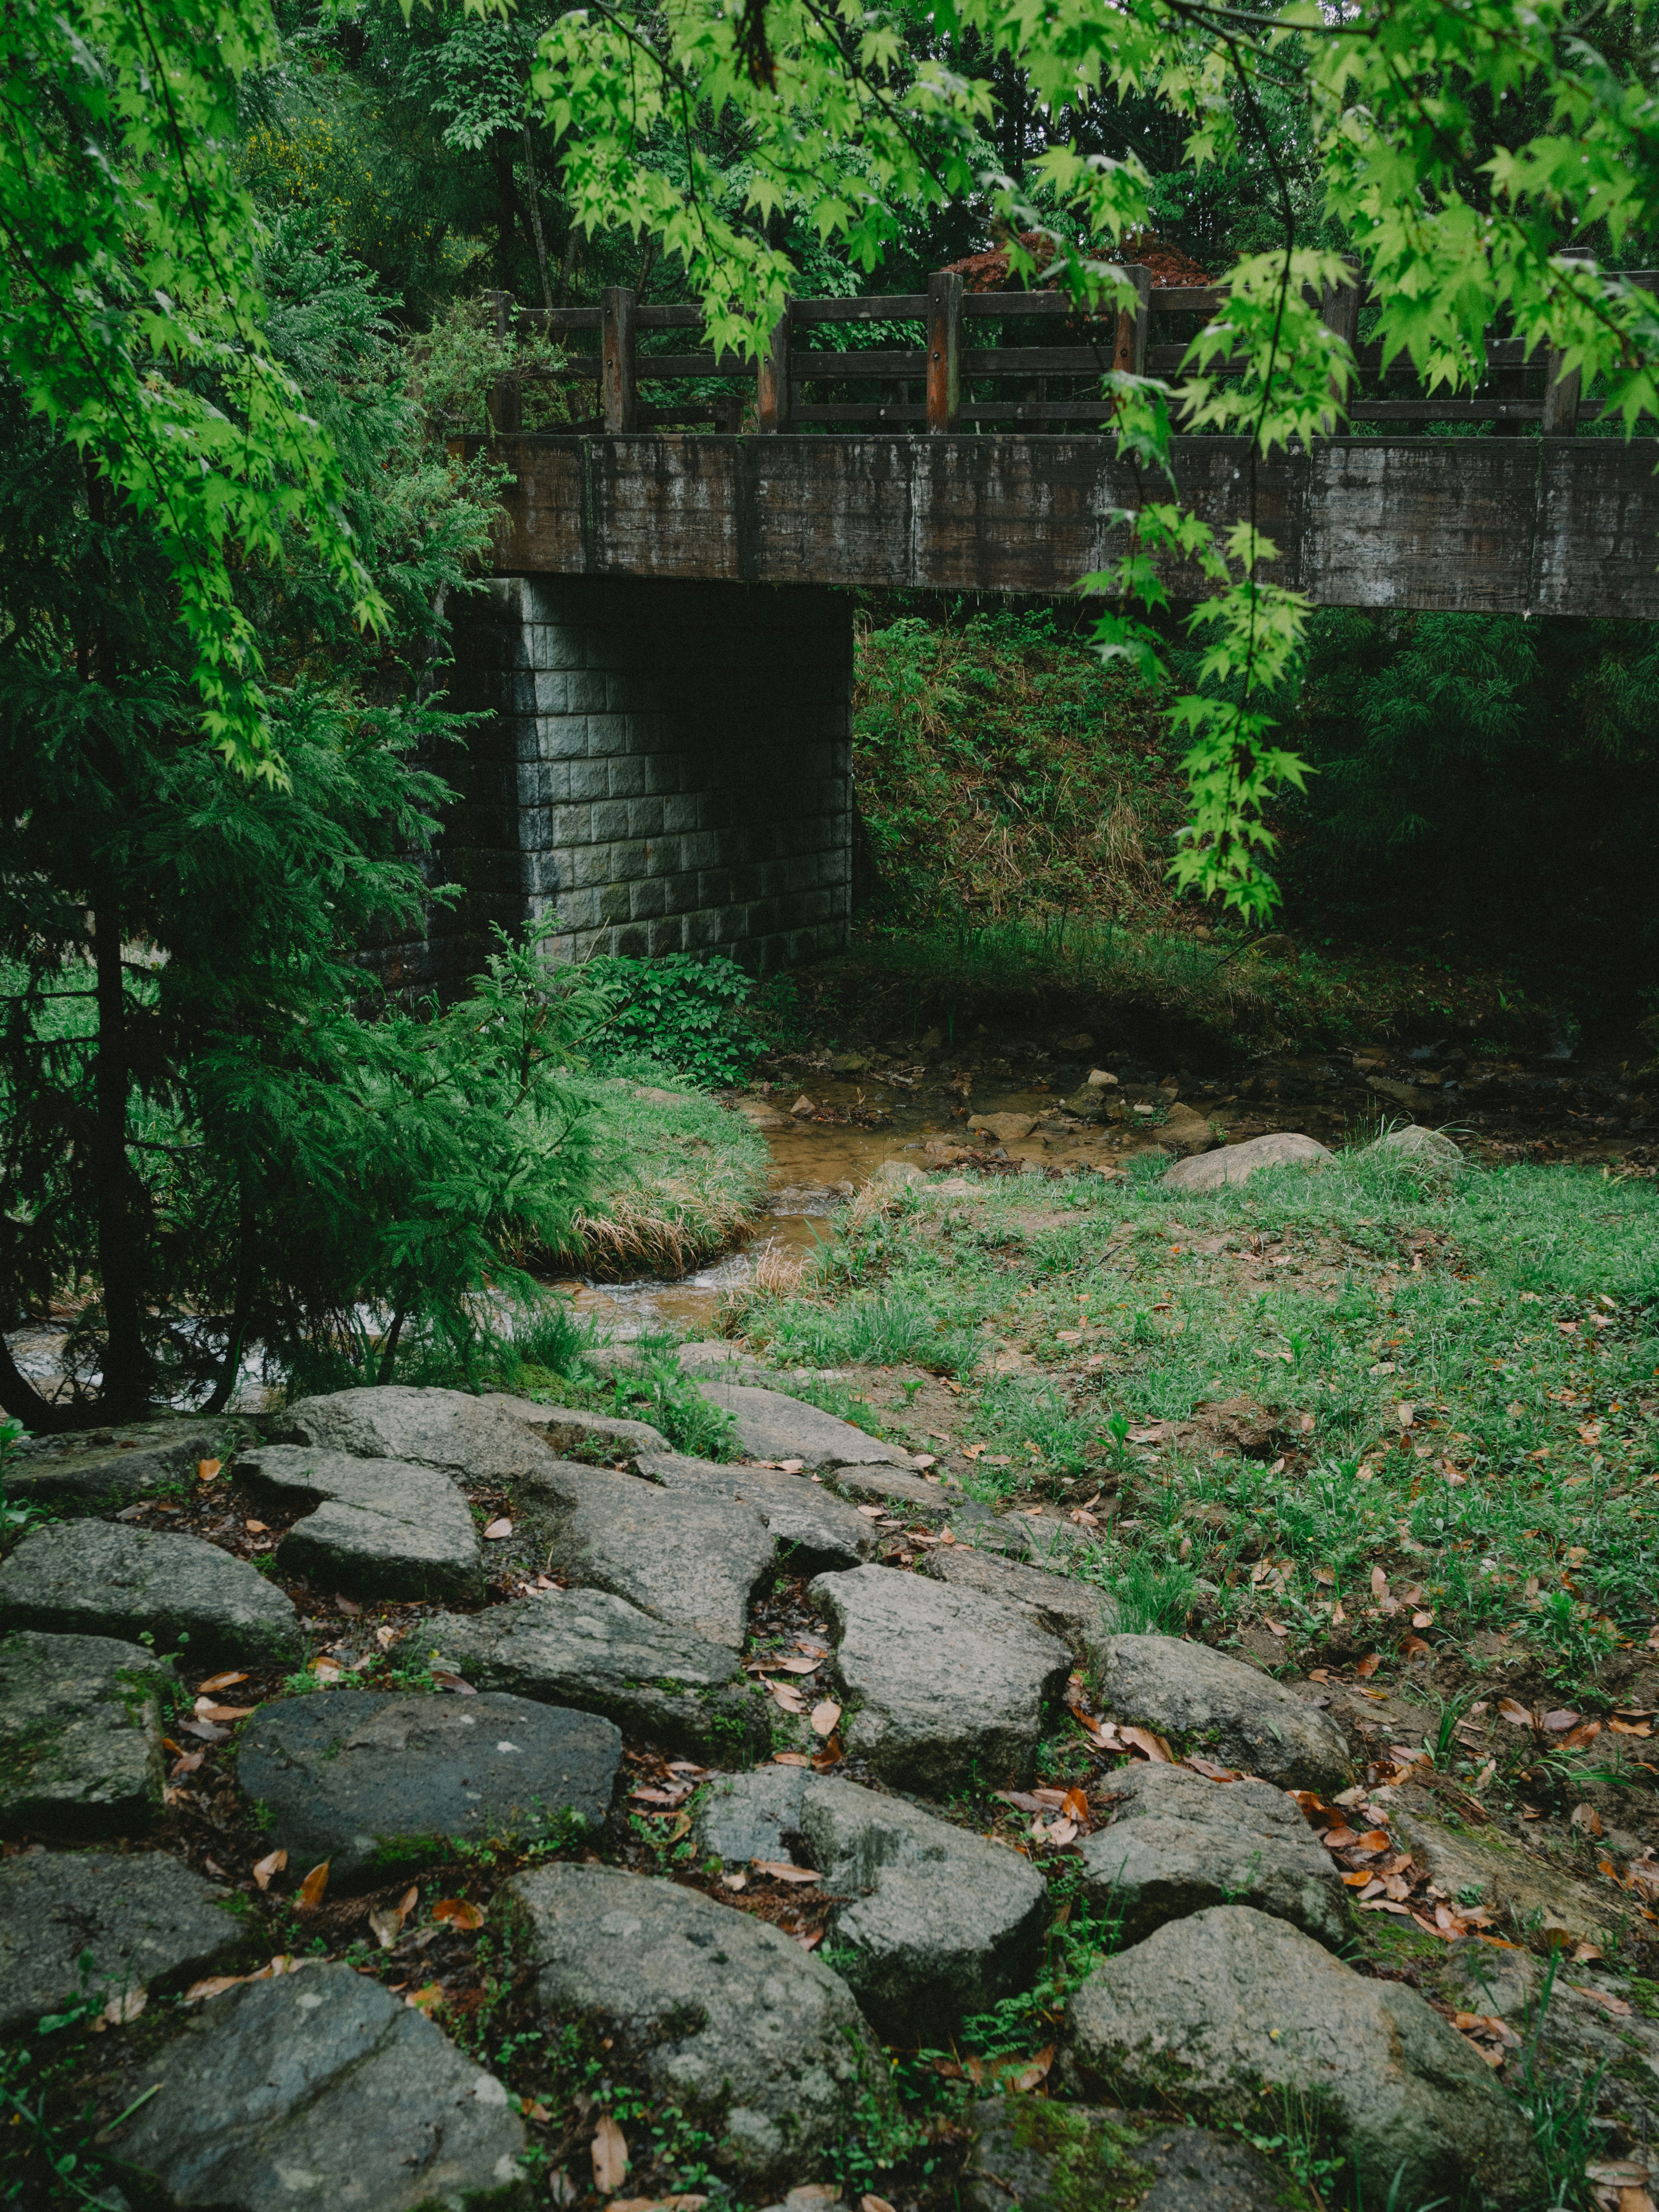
x,y
459,1912
1075,1805
824,1716
1517,1716
327,1669
800,1664
388,1920
788,1697
218,1682
1586,1819
1413,1646
209,1731
207,1710
781,1870
831,1755
207,1469
790,1759
265,1867
735,1880
426,2000
187,1763
1560,1720
1629,1728
1338,1839
497,1530
1154,1746
124,2006
1369,1665
312,1889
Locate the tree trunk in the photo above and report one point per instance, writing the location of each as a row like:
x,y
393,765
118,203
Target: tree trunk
x,y
535,220
20,1398
247,1260
504,211
125,1391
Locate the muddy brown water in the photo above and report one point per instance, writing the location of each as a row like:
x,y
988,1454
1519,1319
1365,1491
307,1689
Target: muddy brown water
x,y
1549,1110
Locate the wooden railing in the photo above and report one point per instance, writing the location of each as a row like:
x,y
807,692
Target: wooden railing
x,y
937,385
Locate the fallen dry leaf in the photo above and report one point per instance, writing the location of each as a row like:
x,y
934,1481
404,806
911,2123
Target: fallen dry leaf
x,y
326,1669
785,1695
218,1682
312,1889
823,1716
1517,1715
207,1710
459,1912
782,1870
265,1867
1369,1665
425,1999
207,1469
126,2005
1602,1997
257,1528
1154,1746
735,1880
497,1530
1587,1820
447,1681
874,2204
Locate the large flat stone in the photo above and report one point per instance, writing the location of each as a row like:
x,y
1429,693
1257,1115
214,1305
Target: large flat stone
x,y
383,1528
320,2088
80,1736
447,1429
1238,1162
723,2014
938,1922
692,1560
1225,2013
96,1470
1179,1844
149,1923
771,1425
1045,2157
1239,1715
567,1428
822,1531
940,1683
586,1648
1081,1615
1515,1884
374,1781
96,1579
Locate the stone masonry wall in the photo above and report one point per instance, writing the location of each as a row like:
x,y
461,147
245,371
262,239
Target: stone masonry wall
x,y
665,767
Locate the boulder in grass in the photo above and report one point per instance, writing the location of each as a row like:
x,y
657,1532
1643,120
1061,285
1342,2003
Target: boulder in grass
x,y
1238,1162
771,1425
1229,2012
1428,1151
320,2087
1241,1717
80,1735
99,1578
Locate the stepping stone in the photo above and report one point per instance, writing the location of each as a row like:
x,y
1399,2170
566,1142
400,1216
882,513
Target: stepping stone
x,y
822,1531
80,1736
99,1470
564,1428
773,1426
318,2087
383,1528
1238,1162
585,1648
1080,1615
1045,2157
96,1579
1229,1710
149,1923
1179,1843
941,1685
693,1561
1242,2009
719,2011
940,1923
715,1361
447,1429
374,1782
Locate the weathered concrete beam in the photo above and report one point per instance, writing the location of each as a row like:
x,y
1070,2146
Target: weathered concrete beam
x,y
1499,526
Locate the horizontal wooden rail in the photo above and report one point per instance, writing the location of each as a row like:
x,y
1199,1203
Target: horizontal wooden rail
x,y
932,384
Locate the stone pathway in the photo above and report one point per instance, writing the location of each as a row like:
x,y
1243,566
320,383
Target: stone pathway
x,y
725,1794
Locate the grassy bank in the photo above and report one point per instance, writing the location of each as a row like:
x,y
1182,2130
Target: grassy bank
x,y
680,1178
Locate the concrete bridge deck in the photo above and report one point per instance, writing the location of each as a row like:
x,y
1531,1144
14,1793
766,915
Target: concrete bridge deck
x,y
1504,524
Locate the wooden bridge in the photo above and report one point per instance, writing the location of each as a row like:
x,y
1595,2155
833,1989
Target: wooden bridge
x,y
957,467
664,753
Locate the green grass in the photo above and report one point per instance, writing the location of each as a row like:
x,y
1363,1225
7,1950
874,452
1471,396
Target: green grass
x,y
1511,1312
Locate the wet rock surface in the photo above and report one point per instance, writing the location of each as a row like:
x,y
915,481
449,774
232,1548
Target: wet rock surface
x,y
107,1467
691,1559
722,2012
593,1651
822,1531
1230,2008
80,1735
771,1425
1179,1843
382,1527
938,1923
942,1681
376,1783
96,1579
449,1428
1240,1717
320,2084
147,1922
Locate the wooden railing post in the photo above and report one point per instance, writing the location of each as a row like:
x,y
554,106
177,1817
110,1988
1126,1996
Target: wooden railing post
x,y
1562,393
618,396
772,377
1339,310
506,402
944,351
1129,354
